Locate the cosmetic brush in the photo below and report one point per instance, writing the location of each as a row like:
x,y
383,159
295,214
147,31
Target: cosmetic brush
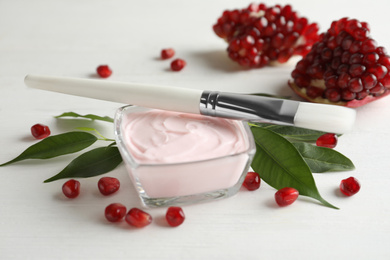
x,y
322,117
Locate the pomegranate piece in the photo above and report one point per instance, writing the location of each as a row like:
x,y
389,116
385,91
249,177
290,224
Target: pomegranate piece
x,y
167,53
71,188
286,196
104,71
175,216
327,140
349,186
138,218
252,181
346,67
260,34
115,212
178,64
108,185
40,131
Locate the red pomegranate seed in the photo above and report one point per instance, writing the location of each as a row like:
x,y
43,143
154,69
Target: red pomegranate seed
x,y
333,95
178,64
40,131
252,181
167,53
355,85
104,71
349,186
175,216
71,188
369,81
138,218
108,185
348,95
286,196
314,92
327,140
115,212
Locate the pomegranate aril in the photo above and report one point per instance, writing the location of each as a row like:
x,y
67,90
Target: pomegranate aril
x,y
355,85
71,188
108,185
378,89
370,58
349,186
368,45
347,95
314,92
369,81
252,181
378,70
286,196
104,71
328,140
178,64
175,216
138,218
40,131
167,53
115,212
333,95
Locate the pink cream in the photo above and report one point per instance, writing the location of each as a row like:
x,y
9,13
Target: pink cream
x,y
169,137
176,154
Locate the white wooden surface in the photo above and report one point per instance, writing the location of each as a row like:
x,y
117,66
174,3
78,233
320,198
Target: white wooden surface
x,y
70,38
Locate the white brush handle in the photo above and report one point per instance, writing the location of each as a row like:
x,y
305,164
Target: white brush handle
x,y
160,97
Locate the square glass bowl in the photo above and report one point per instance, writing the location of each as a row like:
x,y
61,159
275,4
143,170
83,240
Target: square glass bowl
x,y
192,181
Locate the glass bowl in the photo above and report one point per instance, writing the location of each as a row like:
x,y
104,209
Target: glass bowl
x,y
190,181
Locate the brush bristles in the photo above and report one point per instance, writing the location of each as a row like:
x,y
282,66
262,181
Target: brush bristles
x,y
326,118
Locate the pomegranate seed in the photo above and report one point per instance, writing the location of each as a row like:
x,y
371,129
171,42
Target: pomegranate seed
x,y
104,71
115,212
71,188
252,181
327,140
175,216
167,53
355,85
349,186
138,218
286,196
178,64
369,81
40,131
108,185
314,92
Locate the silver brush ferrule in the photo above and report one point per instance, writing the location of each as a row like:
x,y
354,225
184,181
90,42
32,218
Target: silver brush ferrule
x,y
248,107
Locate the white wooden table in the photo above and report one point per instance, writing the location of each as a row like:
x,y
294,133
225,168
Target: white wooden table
x,y
71,38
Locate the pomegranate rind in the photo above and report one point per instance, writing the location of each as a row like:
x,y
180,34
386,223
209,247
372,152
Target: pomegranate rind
x,y
352,104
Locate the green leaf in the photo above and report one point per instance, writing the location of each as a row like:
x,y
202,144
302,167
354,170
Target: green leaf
x,y
280,165
92,163
56,145
292,133
89,116
322,159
